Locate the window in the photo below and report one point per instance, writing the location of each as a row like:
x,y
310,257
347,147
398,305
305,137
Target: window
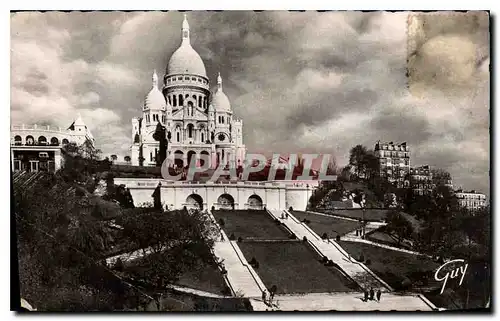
x,y
43,155
18,140
151,156
193,78
199,101
190,131
65,141
181,100
30,140
178,137
202,137
174,100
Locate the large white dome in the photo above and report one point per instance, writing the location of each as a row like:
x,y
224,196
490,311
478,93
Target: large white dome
x,y
186,60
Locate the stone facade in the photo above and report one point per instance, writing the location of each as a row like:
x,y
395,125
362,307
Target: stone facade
x,y
196,120
394,162
237,195
35,147
471,200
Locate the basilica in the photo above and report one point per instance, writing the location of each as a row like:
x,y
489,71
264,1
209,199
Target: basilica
x,y
197,121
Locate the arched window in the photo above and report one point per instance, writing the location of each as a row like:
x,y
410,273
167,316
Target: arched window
x,y
30,140
190,131
181,100
18,140
202,137
178,137
65,141
54,141
199,101
174,100
42,140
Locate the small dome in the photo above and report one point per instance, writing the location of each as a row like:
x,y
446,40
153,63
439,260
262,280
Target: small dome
x,y
186,60
154,100
219,99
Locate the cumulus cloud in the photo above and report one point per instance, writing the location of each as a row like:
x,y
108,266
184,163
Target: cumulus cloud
x,y
301,82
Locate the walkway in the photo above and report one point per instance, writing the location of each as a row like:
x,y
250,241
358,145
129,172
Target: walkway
x,y
355,270
241,276
352,302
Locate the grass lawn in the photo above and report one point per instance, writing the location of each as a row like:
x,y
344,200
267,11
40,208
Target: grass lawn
x,y
393,266
294,268
250,224
332,226
382,237
207,278
370,214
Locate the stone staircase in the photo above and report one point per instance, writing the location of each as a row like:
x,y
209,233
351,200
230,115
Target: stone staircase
x,y
355,270
241,277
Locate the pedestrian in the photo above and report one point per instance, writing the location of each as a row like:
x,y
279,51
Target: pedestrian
x,y
222,237
366,295
379,293
287,216
372,293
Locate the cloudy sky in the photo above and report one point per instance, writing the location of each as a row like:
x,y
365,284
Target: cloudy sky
x,y
301,82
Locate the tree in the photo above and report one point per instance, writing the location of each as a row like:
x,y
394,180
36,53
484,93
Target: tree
x,y
170,242
399,225
356,157
160,136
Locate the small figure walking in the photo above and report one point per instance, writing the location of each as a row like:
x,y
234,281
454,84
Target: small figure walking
x,y
366,295
379,293
372,293
286,216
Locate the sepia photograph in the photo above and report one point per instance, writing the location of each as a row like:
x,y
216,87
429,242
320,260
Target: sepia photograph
x,y
241,161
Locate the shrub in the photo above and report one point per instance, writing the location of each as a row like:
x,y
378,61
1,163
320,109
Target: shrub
x,y
304,239
119,265
223,271
337,238
221,222
324,236
405,283
293,236
256,265
213,208
329,263
232,237
240,239
361,258
325,259
368,262
253,261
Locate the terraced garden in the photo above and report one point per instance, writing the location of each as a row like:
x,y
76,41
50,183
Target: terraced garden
x,y
294,268
400,270
250,224
332,226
